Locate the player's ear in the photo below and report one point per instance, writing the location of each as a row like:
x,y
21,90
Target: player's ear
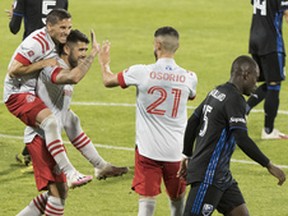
x,y
66,49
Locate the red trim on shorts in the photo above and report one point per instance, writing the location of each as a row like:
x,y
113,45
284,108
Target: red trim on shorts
x,y
55,73
23,60
121,80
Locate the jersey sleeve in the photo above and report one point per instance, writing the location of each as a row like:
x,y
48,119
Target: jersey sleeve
x,y
30,51
130,76
18,13
235,109
193,85
50,73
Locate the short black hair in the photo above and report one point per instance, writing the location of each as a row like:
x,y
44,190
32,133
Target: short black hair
x,y
166,31
57,15
243,63
76,35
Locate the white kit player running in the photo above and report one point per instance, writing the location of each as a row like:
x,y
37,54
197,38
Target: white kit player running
x,y
163,90
37,51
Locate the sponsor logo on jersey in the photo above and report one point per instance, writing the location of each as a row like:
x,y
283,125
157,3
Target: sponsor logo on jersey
x,y
207,209
30,98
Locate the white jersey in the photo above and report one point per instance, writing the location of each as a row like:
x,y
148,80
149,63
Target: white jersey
x,y
56,97
163,90
37,46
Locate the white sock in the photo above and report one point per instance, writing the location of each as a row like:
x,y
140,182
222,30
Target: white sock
x,y
146,206
83,144
55,146
81,141
177,206
54,206
36,207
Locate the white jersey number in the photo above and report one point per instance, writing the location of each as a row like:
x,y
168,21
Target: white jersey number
x,y
206,109
47,6
260,5
152,108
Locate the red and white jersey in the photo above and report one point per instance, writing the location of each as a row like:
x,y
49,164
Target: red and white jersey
x,y
37,46
163,90
56,97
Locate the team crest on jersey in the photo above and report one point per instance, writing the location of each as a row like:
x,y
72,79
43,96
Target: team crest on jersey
x,y
207,209
31,53
30,98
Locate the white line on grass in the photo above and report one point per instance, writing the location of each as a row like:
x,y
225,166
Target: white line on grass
x,y
83,103
79,103
132,149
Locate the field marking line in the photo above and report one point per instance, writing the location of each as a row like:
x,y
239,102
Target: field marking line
x,y
132,149
79,103
83,103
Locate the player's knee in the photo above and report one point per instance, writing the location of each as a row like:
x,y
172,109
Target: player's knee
x,y
49,123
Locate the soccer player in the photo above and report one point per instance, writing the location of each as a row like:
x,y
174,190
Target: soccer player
x,y
34,14
217,124
37,51
47,176
55,89
266,46
163,89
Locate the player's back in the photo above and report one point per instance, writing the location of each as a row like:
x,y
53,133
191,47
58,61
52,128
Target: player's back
x,y
163,91
266,27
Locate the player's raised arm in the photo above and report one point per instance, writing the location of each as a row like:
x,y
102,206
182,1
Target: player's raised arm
x,y
82,63
109,79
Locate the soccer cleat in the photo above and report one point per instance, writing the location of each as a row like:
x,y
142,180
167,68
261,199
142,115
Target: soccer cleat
x,y
23,159
110,171
77,180
275,134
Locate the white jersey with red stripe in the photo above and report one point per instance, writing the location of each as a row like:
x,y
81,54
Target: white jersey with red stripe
x,y
37,46
163,90
56,97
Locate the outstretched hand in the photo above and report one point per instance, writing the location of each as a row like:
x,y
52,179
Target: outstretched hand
x,y
104,54
277,172
95,46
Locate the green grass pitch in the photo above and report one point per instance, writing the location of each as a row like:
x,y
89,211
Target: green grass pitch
x,y
212,35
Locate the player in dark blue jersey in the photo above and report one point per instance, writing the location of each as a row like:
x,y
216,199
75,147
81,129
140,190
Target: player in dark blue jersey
x,y
267,49
217,125
33,13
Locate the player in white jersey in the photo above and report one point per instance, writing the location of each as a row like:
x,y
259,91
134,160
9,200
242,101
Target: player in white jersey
x,y
163,89
33,54
56,90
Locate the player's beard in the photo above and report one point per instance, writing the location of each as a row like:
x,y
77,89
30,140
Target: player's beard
x,y
72,61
